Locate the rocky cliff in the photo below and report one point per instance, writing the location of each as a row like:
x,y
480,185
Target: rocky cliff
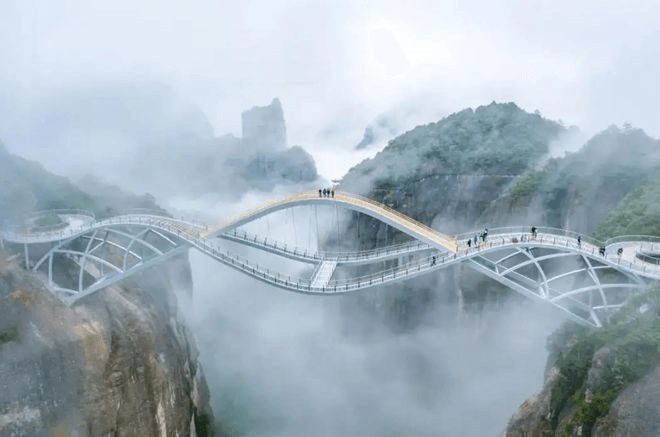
x,y
120,362
605,382
263,128
599,383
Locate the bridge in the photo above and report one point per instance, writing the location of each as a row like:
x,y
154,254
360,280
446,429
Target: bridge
x,y
585,278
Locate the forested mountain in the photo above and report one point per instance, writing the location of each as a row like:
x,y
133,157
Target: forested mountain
x,y
491,167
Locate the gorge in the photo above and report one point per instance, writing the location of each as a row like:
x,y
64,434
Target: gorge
x,y
421,358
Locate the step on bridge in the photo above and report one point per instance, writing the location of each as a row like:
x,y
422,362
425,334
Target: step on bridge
x,y
586,279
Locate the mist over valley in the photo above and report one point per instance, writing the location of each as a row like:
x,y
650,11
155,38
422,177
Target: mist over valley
x,y
133,138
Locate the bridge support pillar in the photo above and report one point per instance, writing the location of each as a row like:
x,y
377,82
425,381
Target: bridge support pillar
x,y
50,270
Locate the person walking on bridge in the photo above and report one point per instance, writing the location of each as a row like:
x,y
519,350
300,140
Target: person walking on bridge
x,y
534,231
579,239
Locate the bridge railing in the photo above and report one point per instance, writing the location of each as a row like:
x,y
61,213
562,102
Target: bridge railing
x,y
524,233
629,238
144,211
255,210
339,256
28,226
71,211
398,214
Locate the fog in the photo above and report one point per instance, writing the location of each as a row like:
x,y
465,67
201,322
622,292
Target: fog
x,y
93,87
283,364
336,66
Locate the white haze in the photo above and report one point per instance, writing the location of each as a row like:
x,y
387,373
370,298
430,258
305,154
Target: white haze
x,y
284,364
336,65
282,359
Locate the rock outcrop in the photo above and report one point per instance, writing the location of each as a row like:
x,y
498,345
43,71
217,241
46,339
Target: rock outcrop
x,y
263,128
601,382
120,362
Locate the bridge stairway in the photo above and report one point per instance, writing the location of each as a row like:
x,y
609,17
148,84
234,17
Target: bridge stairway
x,y
323,274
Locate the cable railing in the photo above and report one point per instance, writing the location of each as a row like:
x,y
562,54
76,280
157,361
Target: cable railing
x,y
30,225
345,256
305,284
524,234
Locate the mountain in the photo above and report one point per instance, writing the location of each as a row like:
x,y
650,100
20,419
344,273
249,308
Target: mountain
x,y
491,167
145,136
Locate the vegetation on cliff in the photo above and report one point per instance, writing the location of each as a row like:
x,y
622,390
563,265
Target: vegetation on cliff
x,y
497,139
596,364
637,214
595,178
25,187
120,362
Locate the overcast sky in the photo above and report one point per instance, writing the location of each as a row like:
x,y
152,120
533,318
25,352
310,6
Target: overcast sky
x,y
336,65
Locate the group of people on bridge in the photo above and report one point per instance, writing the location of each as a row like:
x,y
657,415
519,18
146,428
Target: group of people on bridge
x,y
474,238
474,241
326,192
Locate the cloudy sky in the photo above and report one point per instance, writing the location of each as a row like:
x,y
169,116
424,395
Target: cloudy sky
x,y
337,65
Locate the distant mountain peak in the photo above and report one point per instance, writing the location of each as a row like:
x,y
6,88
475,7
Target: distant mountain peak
x,y
263,127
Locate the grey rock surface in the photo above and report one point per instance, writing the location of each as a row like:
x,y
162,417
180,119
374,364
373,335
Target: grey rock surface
x,y
120,362
263,127
635,412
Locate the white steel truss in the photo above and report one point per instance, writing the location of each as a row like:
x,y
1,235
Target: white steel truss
x,y
586,279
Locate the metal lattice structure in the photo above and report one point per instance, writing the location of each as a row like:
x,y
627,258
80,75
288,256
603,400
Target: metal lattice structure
x,y
586,279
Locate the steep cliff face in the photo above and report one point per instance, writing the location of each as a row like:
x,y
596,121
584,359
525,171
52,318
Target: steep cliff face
x,y
263,128
605,382
601,382
120,362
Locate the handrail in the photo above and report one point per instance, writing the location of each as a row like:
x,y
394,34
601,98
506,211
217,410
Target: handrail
x,y
648,258
629,238
70,211
253,238
144,211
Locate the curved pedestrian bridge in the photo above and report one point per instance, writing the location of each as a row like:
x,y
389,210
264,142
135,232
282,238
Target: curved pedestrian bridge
x,y
586,279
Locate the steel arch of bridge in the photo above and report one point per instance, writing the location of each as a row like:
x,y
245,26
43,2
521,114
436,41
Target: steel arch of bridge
x,y
550,266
